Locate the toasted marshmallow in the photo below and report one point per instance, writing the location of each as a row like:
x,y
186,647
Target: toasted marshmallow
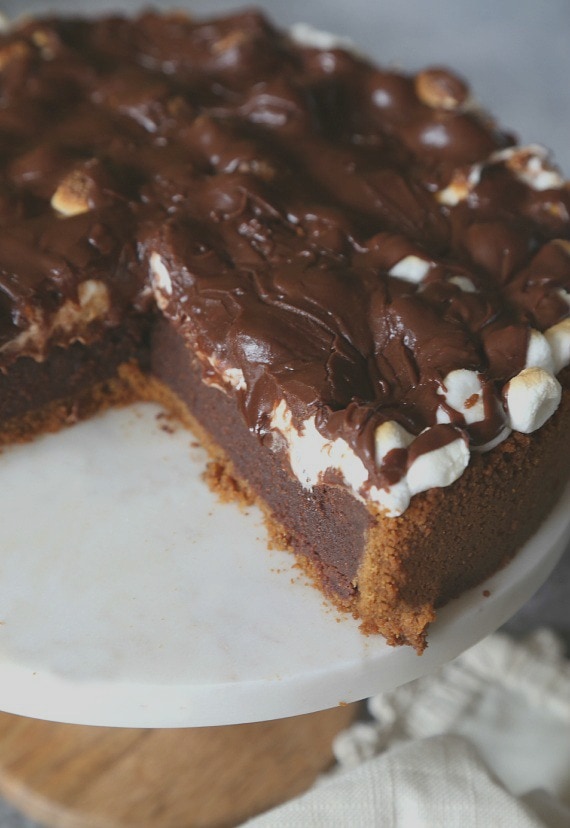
x,y
411,269
531,398
439,89
558,338
440,467
311,454
72,196
531,165
460,186
463,392
539,353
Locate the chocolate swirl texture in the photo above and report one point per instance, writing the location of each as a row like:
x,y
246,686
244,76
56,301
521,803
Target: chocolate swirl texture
x,y
375,270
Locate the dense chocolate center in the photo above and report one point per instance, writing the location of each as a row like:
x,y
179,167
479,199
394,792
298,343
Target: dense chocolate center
x,y
280,185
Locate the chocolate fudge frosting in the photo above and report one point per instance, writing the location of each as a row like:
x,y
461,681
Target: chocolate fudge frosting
x,y
337,243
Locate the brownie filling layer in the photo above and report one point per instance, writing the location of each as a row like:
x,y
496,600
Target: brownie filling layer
x,y
68,376
326,524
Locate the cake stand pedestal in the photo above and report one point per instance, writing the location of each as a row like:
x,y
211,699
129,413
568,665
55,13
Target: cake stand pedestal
x,y
72,776
131,599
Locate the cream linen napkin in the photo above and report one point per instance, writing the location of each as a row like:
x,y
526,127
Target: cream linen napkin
x,y
483,742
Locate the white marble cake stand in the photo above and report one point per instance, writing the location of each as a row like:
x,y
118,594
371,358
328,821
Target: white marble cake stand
x,y
129,596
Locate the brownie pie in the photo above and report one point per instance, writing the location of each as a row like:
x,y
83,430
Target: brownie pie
x,y
350,282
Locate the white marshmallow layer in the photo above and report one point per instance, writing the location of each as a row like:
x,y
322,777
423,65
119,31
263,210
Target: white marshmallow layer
x,y
311,455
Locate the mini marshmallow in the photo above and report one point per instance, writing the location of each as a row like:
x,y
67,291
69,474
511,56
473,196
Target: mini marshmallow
x,y
558,337
463,283
306,35
440,467
388,436
161,281
72,196
463,392
531,398
460,186
539,353
93,298
411,269
531,165
439,89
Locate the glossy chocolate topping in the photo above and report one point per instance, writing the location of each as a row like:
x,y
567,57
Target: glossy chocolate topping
x,y
321,230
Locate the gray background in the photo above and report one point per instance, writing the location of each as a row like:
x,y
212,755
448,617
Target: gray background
x,y
515,53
